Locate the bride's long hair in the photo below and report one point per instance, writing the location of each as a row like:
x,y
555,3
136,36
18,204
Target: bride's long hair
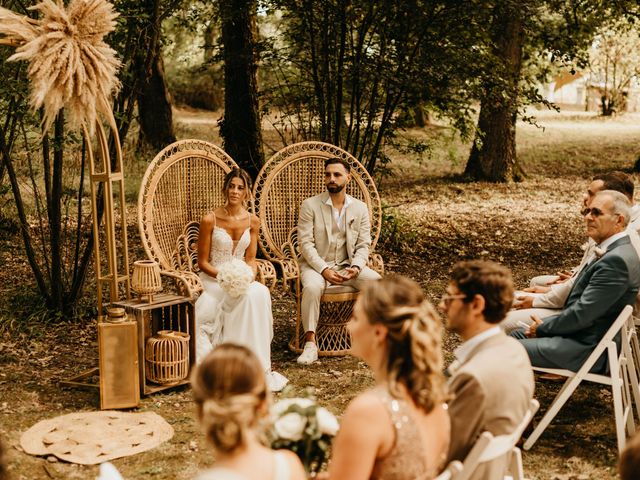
x,y
414,338
230,393
246,179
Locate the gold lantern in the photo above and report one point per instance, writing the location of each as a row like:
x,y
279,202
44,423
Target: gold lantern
x,y
118,348
167,357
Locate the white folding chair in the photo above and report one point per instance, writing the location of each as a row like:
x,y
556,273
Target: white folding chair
x,y
488,448
622,378
451,471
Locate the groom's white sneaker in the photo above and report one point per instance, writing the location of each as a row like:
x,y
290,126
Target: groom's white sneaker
x,y
309,354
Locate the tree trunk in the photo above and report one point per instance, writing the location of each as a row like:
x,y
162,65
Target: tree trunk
x,y
240,128
154,103
154,108
493,155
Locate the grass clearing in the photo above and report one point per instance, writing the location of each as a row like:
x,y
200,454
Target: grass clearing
x,y
532,227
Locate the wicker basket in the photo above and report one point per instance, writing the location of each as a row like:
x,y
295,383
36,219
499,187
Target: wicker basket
x,y
167,357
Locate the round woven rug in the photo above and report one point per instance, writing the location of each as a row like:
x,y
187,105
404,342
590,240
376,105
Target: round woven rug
x,y
89,438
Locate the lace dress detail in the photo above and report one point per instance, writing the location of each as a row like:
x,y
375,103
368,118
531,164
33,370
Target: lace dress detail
x,y
223,248
405,460
246,320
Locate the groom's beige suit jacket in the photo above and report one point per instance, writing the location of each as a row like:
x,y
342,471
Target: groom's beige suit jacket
x,y
491,392
314,232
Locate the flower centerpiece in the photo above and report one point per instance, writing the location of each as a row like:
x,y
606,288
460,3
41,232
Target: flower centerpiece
x,y
234,277
305,428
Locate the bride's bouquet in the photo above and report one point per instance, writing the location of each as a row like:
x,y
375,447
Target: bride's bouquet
x,y
234,277
305,428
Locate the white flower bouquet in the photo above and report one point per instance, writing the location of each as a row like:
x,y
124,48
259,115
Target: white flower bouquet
x,y
305,428
234,277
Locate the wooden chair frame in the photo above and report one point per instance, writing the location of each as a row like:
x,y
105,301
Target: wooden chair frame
x,y
622,377
181,184
287,178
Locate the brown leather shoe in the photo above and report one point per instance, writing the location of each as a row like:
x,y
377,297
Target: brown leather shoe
x,y
551,377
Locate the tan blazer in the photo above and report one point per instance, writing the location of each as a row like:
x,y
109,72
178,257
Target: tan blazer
x,y
314,232
492,390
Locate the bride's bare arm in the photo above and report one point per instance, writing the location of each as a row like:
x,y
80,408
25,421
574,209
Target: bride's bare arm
x,y
360,439
204,244
252,249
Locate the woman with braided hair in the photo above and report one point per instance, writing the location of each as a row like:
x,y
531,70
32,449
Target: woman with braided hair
x,y
232,401
399,430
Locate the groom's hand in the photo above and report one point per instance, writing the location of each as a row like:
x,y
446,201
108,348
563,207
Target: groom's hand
x,y
351,272
332,276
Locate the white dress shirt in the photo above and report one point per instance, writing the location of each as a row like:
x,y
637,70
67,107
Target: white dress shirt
x,y
462,352
338,215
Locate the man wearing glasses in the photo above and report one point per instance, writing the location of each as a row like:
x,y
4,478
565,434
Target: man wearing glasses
x,y
491,378
546,300
609,281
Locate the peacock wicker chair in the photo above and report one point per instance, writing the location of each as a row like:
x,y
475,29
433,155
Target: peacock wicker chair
x,y
287,178
182,183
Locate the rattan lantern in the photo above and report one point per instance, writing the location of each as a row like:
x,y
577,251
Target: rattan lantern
x,y
167,357
145,280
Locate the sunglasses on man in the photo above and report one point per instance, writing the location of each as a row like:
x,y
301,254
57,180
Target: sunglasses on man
x,y
595,212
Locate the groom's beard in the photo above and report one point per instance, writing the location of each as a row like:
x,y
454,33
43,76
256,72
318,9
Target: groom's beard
x,y
334,188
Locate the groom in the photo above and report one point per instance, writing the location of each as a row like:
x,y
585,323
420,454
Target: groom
x,y
334,232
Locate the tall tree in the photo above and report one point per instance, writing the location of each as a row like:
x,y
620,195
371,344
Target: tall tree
x,y
154,102
614,64
240,128
525,34
493,155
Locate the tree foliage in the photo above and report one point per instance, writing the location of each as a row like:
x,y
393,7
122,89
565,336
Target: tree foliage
x,y
344,71
614,65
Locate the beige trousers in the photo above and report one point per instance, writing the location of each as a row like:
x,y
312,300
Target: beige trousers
x,y
313,285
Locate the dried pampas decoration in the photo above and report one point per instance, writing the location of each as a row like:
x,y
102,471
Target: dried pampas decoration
x,y
70,65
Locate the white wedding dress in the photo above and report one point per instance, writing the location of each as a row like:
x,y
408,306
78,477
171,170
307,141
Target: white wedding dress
x,y
246,320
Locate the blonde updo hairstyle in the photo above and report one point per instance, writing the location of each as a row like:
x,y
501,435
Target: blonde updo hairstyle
x,y
230,393
414,338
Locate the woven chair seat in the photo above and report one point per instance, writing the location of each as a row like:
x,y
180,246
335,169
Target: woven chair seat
x,y
333,290
287,178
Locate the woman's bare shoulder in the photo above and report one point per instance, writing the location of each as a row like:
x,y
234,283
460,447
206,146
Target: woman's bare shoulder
x,y
208,219
365,404
255,221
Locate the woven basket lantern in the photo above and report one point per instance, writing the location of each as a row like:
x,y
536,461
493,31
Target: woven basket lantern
x,y
145,280
167,357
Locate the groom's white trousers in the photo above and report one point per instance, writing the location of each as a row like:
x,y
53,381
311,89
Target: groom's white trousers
x,y
313,286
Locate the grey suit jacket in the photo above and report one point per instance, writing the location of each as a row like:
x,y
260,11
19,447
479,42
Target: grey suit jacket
x,y
601,290
559,293
492,390
314,232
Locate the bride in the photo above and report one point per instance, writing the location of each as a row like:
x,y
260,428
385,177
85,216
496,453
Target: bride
x,y
226,233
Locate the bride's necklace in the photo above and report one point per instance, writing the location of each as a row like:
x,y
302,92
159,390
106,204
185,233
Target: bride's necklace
x,y
233,217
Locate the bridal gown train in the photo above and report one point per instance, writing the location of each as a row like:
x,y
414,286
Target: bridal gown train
x,y
246,320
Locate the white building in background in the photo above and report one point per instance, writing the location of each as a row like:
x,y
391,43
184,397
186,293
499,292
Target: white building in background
x,y
581,91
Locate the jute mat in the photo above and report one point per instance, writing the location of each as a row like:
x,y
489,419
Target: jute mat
x,y
89,438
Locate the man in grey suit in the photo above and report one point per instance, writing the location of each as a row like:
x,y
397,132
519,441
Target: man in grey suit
x,y
334,232
615,180
545,301
491,378
608,283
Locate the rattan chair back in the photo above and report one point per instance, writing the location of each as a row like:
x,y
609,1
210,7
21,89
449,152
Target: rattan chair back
x,y
182,183
296,173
